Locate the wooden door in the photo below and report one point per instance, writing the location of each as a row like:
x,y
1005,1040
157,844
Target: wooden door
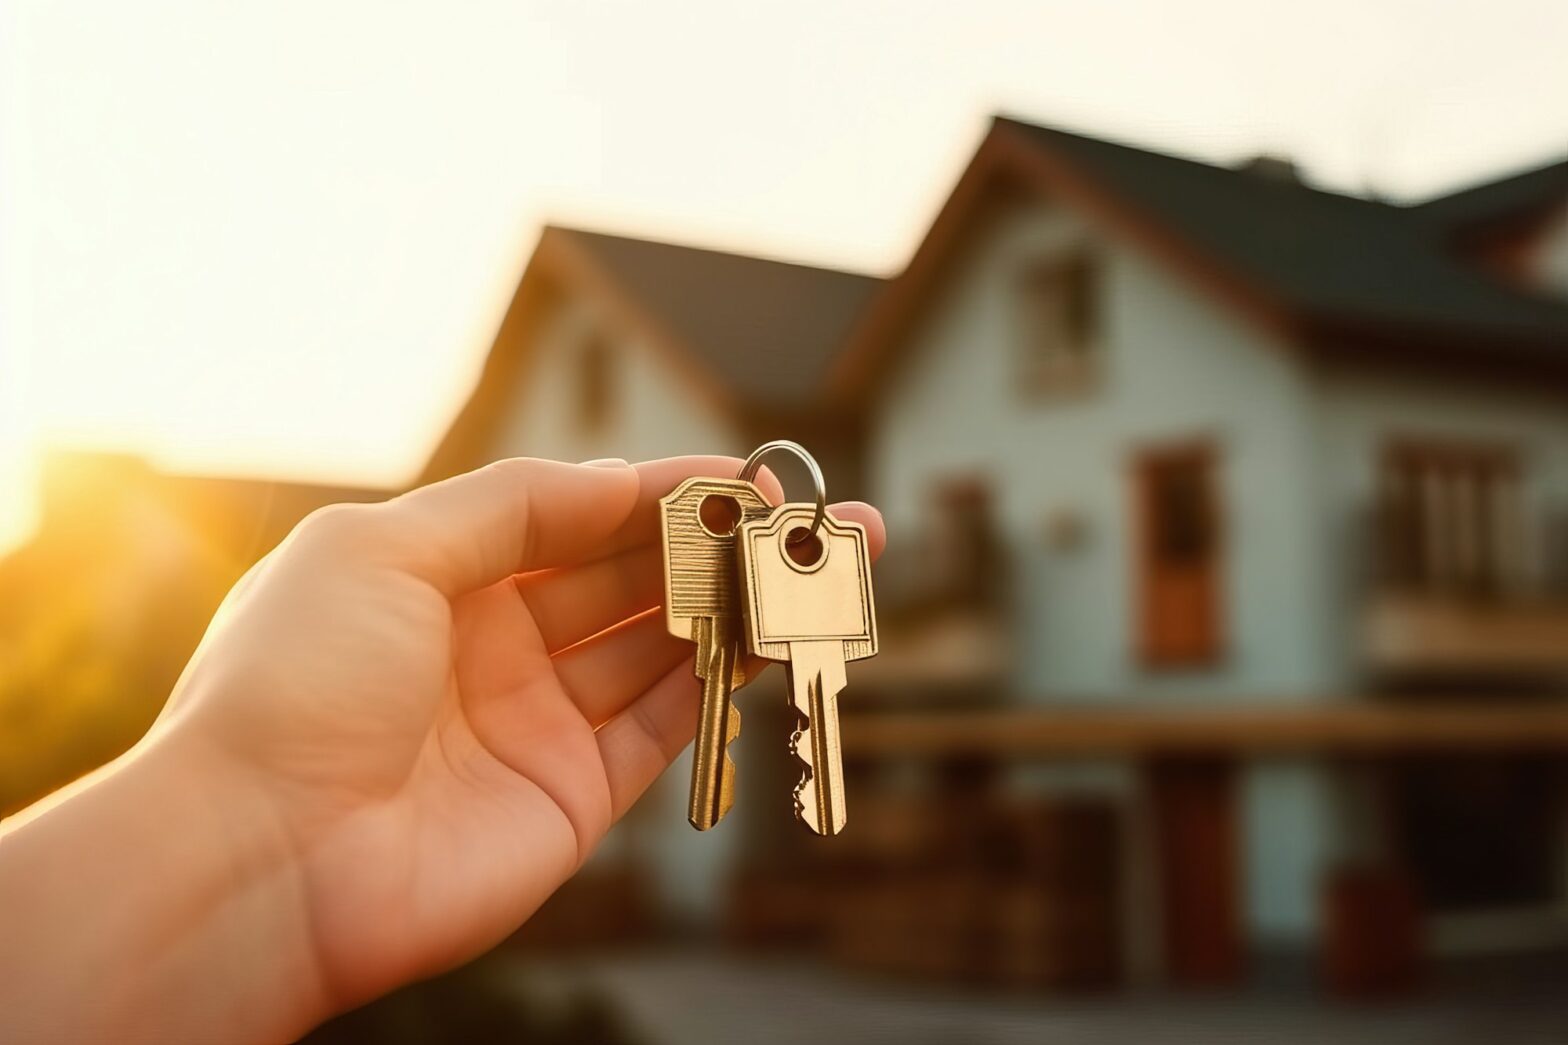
x,y
1178,557
1198,845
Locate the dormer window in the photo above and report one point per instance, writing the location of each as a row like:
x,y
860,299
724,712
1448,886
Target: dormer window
x,y
595,380
1059,322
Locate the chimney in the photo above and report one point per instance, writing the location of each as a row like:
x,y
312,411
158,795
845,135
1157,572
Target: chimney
x,y
1280,170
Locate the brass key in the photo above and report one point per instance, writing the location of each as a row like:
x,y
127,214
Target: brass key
x,y
702,604
808,603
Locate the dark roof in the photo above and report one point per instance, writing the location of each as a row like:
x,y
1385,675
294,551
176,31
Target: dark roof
x,y
767,330
1338,261
1501,200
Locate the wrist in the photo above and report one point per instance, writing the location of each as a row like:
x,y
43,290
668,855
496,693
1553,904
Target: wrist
x,y
166,880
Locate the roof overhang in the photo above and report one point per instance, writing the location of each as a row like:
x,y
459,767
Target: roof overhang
x,y
1007,158
559,261
1016,157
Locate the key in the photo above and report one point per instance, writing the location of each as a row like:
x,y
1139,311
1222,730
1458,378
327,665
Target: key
x,y
809,604
698,520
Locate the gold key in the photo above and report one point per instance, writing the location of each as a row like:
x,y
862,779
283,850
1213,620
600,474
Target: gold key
x,y
808,603
699,521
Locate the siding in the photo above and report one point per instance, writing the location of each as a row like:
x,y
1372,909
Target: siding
x,y
654,411
1174,367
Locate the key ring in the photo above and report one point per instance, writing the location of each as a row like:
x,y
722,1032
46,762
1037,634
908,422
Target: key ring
x,y
748,472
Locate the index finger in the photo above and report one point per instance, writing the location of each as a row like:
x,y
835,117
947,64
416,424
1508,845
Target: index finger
x,y
526,514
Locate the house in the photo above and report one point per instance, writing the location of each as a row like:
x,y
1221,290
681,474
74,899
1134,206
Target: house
x,y
614,346
1246,441
1155,435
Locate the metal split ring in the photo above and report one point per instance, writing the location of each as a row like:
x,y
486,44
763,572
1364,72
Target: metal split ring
x,y
748,472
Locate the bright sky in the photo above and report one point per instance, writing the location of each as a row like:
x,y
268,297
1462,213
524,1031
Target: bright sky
x,y
276,238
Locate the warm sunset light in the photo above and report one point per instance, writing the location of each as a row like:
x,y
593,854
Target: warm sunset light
x,y
277,241
1178,649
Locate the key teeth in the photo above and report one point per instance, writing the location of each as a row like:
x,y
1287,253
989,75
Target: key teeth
x,y
731,734
805,792
704,819
800,747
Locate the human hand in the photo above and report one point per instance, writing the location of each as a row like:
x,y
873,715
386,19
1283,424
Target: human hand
x,y
417,719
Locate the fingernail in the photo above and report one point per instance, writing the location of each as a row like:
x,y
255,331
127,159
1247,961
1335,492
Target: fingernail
x,y
607,462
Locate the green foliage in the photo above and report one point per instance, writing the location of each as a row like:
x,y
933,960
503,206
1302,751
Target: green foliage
x,y
89,658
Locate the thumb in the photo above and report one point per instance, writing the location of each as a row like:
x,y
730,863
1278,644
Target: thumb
x,y
512,516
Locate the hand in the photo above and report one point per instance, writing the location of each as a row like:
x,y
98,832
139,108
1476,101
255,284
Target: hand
x,y
415,720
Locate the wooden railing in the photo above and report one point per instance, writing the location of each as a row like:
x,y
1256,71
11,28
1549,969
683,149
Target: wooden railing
x,y
1417,632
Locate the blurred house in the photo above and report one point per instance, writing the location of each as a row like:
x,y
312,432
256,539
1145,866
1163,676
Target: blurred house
x,y
1244,498
615,346
1252,443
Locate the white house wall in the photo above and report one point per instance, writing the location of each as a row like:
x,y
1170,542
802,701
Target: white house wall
x,y
1175,366
654,411
1550,264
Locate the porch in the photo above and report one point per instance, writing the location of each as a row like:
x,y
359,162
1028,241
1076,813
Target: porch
x,y
961,882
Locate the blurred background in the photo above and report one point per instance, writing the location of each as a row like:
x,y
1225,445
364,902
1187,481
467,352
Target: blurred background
x,y
1209,360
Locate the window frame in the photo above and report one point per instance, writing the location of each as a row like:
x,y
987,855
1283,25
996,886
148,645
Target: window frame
x,y
593,382
1412,526
1058,343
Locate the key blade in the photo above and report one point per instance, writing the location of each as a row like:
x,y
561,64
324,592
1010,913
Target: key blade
x,y
816,677
701,604
713,771
718,724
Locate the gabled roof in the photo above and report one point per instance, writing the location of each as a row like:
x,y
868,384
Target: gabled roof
x,y
1321,268
751,334
767,330
1319,254
1521,195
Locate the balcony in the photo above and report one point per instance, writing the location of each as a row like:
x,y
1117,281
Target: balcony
x,y
1466,580
942,617
1460,635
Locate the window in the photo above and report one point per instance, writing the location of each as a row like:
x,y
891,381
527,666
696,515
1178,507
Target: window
x,y
1179,557
964,556
1059,321
954,561
1450,518
595,383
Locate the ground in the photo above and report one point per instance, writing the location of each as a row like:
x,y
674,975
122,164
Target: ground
x,y
699,996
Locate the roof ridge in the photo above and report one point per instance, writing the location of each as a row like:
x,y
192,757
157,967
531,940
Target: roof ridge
x,y
574,230
1190,161
1518,174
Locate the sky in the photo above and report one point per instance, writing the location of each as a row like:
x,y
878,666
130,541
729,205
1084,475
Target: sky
x,y
276,239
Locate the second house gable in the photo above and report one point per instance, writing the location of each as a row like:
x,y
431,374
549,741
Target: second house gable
x,y
592,387
1063,462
